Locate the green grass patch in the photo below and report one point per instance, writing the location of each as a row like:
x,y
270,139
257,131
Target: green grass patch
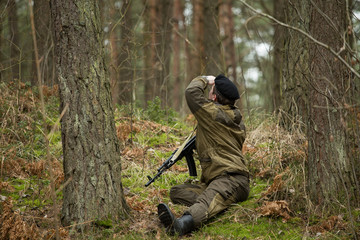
x,y
256,229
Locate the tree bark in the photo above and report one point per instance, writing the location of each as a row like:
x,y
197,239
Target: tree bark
x,y
178,86
198,31
90,147
226,23
330,175
42,17
151,61
15,61
158,53
114,51
213,60
125,59
279,33
295,70
2,58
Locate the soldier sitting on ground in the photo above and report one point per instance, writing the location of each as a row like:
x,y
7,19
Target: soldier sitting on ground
x,y
219,139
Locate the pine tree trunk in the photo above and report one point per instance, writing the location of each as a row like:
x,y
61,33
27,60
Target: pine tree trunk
x,y
330,175
2,57
152,62
114,52
15,61
125,58
157,59
164,49
90,147
279,13
295,70
226,23
198,30
177,89
43,27
213,60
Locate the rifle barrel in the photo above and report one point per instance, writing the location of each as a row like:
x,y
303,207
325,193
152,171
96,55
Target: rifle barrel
x,y
189,146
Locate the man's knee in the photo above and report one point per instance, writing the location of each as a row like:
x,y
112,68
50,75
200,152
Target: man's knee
x,y
183,194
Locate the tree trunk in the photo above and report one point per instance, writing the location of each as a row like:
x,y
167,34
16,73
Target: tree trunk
x,y
90,147
279,13
152,63
42,17
165,49
15,60
330,174
226,23
295,73
213,60
114,51
125,59
198,31
177,89
2,58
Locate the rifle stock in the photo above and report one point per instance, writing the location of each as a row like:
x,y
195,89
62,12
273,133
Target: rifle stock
x,y
186,150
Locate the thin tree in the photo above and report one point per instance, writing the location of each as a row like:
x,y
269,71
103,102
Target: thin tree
x,y
15,61
176,44
42,17
279,13
126,72
114,48
213,60
198,31
2,58
157,56
226,24
92,167
295,64
227,34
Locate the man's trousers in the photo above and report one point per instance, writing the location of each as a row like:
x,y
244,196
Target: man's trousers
x,y
205,201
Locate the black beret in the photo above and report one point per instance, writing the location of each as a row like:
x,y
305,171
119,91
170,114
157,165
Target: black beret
x,y
226,88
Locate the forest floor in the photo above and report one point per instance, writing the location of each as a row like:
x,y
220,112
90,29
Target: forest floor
x,y
277,208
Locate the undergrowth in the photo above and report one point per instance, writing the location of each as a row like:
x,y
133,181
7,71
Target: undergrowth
x,y
275,209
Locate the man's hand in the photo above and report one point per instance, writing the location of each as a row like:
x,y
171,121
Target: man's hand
x,y
210,80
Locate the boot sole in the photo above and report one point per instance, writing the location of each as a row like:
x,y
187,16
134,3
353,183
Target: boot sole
x,y
167,218
165,215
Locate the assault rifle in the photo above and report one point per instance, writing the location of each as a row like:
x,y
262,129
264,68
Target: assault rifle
x,y
185,150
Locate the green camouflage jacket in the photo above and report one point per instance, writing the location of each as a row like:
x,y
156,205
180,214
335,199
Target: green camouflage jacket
x,y
220,133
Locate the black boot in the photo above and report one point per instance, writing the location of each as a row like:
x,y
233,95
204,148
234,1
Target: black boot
x,y
174,225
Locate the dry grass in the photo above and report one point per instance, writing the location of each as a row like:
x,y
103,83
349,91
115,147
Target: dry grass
x,y
278,156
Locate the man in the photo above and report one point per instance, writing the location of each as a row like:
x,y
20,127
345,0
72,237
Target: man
x,y
219,140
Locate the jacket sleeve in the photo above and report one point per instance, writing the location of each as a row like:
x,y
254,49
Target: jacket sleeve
x,y
194,94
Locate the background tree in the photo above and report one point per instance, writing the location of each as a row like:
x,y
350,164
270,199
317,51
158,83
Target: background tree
x,y
295,68
198,53
126,72
90,147
226,24
113,34
213,60
279,13
42,17
157,58
15,49
177,23
2,44
118,21
227,35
